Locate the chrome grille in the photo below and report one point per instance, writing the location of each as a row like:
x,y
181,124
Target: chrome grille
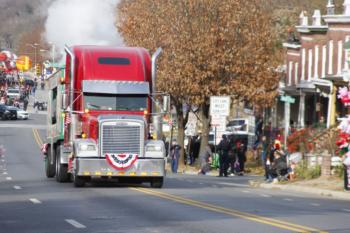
x,y
118,139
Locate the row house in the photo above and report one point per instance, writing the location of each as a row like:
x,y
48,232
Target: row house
x,y
316,65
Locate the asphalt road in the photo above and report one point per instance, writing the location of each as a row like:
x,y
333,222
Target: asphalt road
x,y
31,203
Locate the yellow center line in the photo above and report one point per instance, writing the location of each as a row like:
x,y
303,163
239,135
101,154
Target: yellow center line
x,y
37,137
231,212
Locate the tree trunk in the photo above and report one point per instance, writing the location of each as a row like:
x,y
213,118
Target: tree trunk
x,y
205,119
181,122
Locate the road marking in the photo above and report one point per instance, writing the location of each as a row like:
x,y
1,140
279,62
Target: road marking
x,y
201,183
265,195
234,184
235,213
315,204
288,199
245,191
17,187
35,201
8,178
37,137
214,186
4,173
346,210
75,223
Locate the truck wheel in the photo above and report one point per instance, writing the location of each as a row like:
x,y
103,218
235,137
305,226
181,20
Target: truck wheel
x,y
50,164
157,183
61,169
78,181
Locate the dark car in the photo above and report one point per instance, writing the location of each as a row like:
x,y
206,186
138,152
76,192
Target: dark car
x,y
8,112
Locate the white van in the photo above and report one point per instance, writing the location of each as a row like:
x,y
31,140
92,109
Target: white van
x,y
13,93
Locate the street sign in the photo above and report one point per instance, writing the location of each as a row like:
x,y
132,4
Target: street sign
x,y
219,122
220,105
288,99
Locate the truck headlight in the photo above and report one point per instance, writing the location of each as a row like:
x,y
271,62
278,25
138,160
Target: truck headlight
x,y
155,149
86,149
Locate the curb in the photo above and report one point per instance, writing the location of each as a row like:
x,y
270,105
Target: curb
x,y
298,188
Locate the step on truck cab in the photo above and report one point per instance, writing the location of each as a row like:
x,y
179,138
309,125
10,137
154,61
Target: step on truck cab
x,y
99,115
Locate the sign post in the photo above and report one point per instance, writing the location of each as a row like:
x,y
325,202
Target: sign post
x,y
287,101
219,110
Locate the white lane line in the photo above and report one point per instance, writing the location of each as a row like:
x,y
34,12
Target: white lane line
x,y
314,204
265,195
346,210
201,183
234,184
8,178
288,199
214,186
35,201
245,191
17,187
75,223
5,173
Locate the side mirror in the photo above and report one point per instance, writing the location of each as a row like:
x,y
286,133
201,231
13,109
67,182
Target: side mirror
x,y
166,103
64,101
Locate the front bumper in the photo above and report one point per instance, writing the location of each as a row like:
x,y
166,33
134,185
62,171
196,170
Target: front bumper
x,y
100,167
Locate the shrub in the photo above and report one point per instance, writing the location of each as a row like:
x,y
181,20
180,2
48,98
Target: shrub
x,y
339,171
303,171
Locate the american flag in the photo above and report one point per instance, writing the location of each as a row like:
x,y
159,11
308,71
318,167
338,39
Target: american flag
x,y
67,120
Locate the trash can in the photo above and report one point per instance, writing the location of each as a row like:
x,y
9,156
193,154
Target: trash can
x,y
215,161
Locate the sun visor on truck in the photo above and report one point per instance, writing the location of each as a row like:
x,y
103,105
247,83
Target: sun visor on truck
x,y
115,87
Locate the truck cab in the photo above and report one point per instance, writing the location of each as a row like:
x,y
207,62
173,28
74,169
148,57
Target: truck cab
x,y
105,112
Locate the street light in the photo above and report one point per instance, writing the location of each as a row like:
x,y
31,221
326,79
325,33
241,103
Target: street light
x,y
34,46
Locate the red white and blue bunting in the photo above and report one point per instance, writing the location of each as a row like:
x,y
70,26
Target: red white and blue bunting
x,y
121,161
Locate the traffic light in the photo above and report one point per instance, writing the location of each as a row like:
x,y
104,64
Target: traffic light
x,y
38,69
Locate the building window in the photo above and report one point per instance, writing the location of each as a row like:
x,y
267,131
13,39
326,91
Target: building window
x,y
330,57
324,58
290,70
310,65
296,73
340,56
316,62
303,54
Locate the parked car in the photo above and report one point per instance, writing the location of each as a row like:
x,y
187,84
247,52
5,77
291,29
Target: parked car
x,y
13,93
8,112
21,114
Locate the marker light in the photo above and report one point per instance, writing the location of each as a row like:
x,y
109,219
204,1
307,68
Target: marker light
x,y
63,114
83,135
145,112
86,110
62,80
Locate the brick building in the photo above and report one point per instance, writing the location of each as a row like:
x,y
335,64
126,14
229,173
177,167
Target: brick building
x,y
316,65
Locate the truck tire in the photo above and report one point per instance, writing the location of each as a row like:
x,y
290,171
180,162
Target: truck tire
x,y
62,174
157,183
78,181
50,164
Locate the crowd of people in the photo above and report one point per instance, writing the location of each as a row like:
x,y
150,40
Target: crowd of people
x,y
26,88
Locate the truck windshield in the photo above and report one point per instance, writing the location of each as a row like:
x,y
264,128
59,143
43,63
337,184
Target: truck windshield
x,y
114,102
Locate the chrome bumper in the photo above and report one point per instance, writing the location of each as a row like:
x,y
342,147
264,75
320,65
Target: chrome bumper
x,y
100,167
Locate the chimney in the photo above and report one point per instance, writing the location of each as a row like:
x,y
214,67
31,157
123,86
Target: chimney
x,y
304,21
330,7
346,7
316,18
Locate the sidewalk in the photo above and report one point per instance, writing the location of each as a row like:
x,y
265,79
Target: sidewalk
x,y
326,187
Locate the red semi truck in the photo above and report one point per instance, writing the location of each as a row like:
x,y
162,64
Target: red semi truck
x,y
99,116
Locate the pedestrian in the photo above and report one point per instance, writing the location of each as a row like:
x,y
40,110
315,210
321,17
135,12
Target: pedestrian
x,y
264,154
25,103
223,148
346,164
205,158
175,156
240,152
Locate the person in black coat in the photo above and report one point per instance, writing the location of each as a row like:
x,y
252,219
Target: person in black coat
x,y
223,148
